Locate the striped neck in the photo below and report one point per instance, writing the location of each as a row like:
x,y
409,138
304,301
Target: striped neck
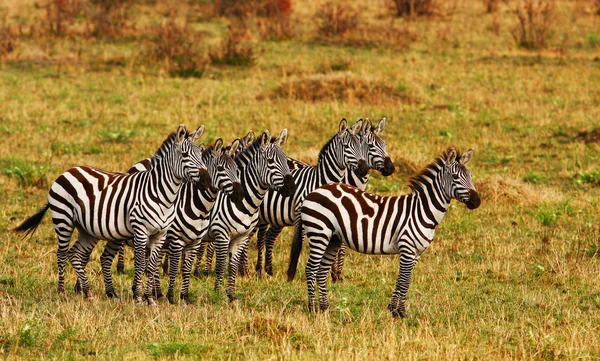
x,y
254,189
429,188
164,183
355,180
329,168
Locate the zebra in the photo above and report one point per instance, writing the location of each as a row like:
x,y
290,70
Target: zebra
x,y
193,205
119,206
262,166
374,224
378,159
209,247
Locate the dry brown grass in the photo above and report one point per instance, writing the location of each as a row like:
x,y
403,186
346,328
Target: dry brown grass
x,y
345,87
8,40
335,19
414,8
236,48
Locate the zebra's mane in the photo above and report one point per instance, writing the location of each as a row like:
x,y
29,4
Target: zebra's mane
x,y
425,174
250,150
324,148
165,146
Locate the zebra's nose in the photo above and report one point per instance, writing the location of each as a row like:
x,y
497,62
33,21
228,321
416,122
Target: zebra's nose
x,y
474,200
388,167
289,187
204,180
238,193
363,168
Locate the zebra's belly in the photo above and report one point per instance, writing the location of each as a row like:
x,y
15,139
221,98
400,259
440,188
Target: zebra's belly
x,y
369,244
189,232
242,225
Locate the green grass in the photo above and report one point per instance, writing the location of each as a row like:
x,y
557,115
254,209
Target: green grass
x,y
515,279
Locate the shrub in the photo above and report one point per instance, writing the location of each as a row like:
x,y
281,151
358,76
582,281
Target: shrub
x,y
27,174
62,13
8,41
491,6
336,19
176,47
535,19
235,49
413,8
591,177
274,21
108,17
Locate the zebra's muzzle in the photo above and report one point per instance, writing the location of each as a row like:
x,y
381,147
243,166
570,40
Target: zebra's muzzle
x,y
204,180
289,187
363,168
474,200
237,195
388,167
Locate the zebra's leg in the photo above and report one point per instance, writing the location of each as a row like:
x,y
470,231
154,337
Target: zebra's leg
x,y
139,264
155,247
272,235
338,265
156,287
64,229
238,247
200,253
260,245
120,260
396,306
186,270
79,255
106,260
242,268
210,252
221,247
326,261
175,248
318,245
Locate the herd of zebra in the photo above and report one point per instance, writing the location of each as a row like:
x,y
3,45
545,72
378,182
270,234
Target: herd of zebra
x,y
187,197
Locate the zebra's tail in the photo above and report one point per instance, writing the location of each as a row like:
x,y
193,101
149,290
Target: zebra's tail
x,y
296,249
31,224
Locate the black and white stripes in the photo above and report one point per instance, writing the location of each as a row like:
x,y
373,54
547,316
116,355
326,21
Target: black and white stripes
x,y
337,214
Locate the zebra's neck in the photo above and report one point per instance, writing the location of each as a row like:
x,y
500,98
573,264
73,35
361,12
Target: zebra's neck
x,y
163,182
430,196
355,180
254,190
329,169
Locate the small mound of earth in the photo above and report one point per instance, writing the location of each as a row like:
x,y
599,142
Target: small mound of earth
x,y
342,87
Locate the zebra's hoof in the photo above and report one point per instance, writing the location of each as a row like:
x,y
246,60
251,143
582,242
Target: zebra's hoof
x,y
152,302
186,300
120,269
312,309
269,271
398,313
139,300
77,289
197,273
170,298
112,295
231,298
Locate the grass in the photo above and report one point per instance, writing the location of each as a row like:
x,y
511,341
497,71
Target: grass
x,y
515,279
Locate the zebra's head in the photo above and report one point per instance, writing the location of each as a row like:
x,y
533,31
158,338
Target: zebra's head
x,y
379,159
223,170
459,184
355,151
276,172
189,165
243,143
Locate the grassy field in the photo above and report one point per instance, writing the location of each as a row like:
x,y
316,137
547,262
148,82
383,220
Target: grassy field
x,y
517,278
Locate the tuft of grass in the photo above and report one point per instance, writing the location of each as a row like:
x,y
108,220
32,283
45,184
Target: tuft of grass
x,y
235,49
116,135
414,8
170,349
336,19
26,173
534,177
594,40
591,177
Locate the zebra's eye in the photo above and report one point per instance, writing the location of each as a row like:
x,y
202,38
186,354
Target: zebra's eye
x,y
185,153
455,176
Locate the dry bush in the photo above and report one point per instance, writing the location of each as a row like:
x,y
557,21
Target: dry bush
x,y
414,8
175,47
501,190
534,28
342,87
274,19
8,40
108,18
240,9
597,7
60,14
381,35
491,6
236,49
336,19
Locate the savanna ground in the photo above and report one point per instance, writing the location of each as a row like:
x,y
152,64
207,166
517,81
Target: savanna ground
x,y
517,278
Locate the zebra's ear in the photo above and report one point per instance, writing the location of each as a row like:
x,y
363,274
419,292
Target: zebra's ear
x,y
249,138
451,156
218,148
282,138
234,146
379,128
202,148
343,126
466,157
356,127
367,126
196,134
181,133
265,139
